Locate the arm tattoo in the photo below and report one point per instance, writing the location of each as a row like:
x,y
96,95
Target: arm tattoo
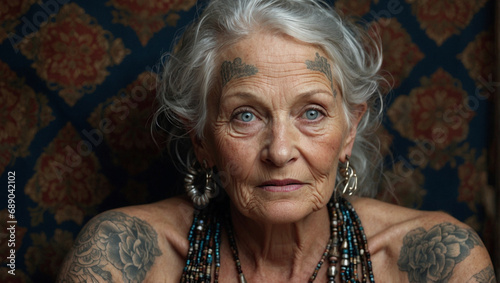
x,y
236,69
321,64
117,240
431,256
484,276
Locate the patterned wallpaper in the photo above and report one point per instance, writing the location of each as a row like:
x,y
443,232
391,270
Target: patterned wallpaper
x,y
77,86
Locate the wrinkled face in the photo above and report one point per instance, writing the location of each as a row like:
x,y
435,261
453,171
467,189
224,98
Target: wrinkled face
x,y
276,131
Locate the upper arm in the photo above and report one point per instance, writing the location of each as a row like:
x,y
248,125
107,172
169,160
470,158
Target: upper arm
x,y
112,247
447,251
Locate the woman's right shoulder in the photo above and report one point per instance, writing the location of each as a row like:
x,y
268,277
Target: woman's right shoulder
x,y
136,243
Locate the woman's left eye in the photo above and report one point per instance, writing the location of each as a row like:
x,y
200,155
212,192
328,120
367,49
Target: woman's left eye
x,y
312,114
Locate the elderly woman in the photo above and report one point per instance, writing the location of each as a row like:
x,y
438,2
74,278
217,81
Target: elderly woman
x,y
274,105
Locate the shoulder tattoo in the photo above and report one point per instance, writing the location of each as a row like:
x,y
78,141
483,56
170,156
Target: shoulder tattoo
x,y
486,275
236,69
321,64
113,240
431,256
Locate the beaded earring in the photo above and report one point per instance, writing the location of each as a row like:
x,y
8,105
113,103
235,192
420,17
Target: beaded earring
x,y
200,198
349,180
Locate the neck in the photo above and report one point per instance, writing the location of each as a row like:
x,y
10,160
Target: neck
x,y
292,249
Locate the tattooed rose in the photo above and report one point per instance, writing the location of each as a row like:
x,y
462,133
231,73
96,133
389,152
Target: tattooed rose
x,y
431,256
129,246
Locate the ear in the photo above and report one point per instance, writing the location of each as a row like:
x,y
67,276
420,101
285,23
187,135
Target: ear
x,y
201,149
359,111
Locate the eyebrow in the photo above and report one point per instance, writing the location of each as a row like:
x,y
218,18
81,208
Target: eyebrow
x,y
321,64
236,69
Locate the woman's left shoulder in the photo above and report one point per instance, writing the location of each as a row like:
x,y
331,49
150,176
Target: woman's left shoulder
x,y
422,246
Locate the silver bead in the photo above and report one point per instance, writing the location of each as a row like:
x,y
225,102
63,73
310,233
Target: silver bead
x,y
335,251
332,271
242,278
344,262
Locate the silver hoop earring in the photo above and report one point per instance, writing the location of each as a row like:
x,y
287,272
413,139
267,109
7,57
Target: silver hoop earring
x,y
200,198
349,180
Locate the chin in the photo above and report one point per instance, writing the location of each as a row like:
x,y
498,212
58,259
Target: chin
x,y
282,211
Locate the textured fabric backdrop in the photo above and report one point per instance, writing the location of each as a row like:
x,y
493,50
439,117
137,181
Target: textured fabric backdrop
x,y
76,101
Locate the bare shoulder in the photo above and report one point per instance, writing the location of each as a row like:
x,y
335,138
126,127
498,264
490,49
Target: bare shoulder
x,y
422,246
131,244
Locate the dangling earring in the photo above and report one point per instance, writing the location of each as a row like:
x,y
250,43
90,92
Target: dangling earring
x,y
200,198
349,178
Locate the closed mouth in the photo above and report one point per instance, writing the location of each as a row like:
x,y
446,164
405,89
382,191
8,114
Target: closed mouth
x,y
285,185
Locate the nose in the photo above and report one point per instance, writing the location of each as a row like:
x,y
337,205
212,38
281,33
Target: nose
x,y
280,145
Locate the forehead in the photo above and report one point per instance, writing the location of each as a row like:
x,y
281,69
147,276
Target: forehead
x,y
271,52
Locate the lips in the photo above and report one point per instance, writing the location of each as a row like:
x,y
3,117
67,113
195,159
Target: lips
x,y
286,185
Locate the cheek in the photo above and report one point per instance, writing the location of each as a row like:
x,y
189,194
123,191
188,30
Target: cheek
x,y
235,160
322,156
323,151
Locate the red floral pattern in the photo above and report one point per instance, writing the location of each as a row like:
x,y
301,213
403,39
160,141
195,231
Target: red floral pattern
x,y
473,177
436,117
436,112
47,255
353,7
67,181
478,59
148,17
23,114
72,53
79,52
442,19
124,121
10,11
399,52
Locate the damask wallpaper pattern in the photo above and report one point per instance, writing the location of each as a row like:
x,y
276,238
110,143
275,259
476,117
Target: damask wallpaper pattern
x,y
77,96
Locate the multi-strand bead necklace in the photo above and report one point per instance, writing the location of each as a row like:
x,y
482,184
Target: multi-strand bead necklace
x,y
347,246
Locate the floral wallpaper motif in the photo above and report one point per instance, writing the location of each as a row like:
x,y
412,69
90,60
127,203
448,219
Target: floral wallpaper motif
x,y
148,17
354,8
433,113
10,12
442,19
24,114
77,99
47,254
67,180
473,180
131,144
72,53
400,53
478,59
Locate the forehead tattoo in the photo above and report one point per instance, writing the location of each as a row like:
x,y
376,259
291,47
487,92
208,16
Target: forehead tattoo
x,y
321,64
236,69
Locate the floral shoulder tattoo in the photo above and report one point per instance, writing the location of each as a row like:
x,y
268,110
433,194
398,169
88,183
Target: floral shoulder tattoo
x,y
431,256
113,240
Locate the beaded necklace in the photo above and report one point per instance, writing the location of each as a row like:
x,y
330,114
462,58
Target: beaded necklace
x,y
347,243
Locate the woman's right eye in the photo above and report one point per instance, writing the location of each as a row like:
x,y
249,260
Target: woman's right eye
x,y
245,116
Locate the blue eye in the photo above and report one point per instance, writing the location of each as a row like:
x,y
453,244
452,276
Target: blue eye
x,y
246,116
312,114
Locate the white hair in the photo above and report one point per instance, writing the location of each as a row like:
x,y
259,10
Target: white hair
x,y
190,72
